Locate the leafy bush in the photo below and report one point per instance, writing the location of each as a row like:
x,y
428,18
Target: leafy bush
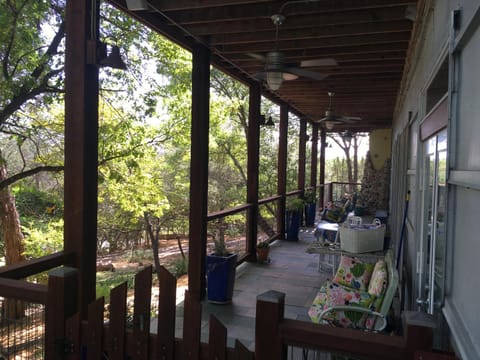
x,y
179,267
43,238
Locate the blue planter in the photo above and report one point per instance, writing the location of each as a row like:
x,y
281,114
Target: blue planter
x,y
220,272
293,219
310,214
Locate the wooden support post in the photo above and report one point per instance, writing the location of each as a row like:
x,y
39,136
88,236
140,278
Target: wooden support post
x,y
302,141
282,169
321,180
418,331
199,171
61,304
81,145
314,158
253,143
270,312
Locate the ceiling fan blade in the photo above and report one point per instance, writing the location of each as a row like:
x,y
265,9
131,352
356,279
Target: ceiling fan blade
x,y
306,73
319,62
350,119
257,56
260,76
287,76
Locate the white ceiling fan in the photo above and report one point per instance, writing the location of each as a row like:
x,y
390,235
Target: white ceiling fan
x,y
276,70
331,119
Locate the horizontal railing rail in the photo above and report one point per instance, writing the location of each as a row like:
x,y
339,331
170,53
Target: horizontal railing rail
x,y
23,290
228,212
36,266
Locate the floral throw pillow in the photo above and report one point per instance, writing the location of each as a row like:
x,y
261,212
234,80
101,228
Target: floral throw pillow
x,y
353,273
379,279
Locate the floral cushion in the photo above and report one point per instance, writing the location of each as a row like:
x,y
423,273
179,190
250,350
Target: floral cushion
x,y
333,294
353,273
378,282
318,305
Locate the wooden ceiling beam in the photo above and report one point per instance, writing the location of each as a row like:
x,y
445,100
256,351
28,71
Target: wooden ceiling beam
x,y
267,9
347,59
341,41
257,24
313,32
168,5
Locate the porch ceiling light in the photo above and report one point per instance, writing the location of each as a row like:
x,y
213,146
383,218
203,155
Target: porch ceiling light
x,y
329,124
137,5
274,80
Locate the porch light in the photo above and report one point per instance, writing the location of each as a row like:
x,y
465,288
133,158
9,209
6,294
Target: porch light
x,y
329,124
270,122
137,5
274,80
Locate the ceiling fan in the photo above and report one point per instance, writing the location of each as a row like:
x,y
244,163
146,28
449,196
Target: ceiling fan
x,y
331,119
276,70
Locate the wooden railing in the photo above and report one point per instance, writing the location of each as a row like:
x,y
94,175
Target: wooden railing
x,y
61,281
273,333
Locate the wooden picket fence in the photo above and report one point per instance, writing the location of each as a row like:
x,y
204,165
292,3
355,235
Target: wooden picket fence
x,y
96,338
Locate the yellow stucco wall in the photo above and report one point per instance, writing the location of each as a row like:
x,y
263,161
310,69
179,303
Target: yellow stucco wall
x,y
380,147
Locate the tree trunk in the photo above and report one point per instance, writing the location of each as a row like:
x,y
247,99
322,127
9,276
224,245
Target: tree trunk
x,y
12,236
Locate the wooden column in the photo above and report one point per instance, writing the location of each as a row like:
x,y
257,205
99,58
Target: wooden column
x,y
61,304
270,309
314,159
301,154
253,144
321,180
282,169
81,145
199,171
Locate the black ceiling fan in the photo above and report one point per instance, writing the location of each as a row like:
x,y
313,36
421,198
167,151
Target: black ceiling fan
x,y
276,70
331,118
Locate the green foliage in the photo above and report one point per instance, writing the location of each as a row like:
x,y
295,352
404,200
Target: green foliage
x,y
31,202
43,238
106,281
179,267
263,244
310,197
295,204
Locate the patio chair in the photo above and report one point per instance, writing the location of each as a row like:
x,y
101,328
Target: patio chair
x,y
359,296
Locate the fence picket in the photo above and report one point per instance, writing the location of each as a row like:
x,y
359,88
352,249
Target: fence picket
x,y
72,337
166,315
95,329
141,313
217,346
242,352
118,313
191,328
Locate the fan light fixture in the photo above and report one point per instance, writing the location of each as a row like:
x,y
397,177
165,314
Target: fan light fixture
x,y
274,80
329,124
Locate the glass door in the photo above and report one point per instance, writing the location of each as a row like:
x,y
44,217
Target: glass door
x,y
431,264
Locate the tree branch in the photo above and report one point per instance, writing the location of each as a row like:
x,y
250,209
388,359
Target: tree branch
x,y
24,174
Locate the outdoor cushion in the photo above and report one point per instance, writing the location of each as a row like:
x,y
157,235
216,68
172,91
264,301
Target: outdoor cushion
x,y
378,281
353,273
332,294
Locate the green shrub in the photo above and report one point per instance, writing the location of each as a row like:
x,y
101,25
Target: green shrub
x,y
43,238
179,267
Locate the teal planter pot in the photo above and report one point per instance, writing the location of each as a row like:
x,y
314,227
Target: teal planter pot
x,y
220,273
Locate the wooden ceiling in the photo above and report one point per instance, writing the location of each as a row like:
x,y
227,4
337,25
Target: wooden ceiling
x,y
368,39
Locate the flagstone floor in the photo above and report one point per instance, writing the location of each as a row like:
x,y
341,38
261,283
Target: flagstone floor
x,y
291,270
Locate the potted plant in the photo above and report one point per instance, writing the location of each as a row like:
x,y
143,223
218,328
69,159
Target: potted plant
x,y
310,207
294,217
263,248
359,209
220,273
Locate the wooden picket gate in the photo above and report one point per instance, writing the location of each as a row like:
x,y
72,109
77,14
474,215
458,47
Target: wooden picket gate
x,y
115,339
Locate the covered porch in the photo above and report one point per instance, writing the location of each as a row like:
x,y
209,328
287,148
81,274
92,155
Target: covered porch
x,y
374,86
